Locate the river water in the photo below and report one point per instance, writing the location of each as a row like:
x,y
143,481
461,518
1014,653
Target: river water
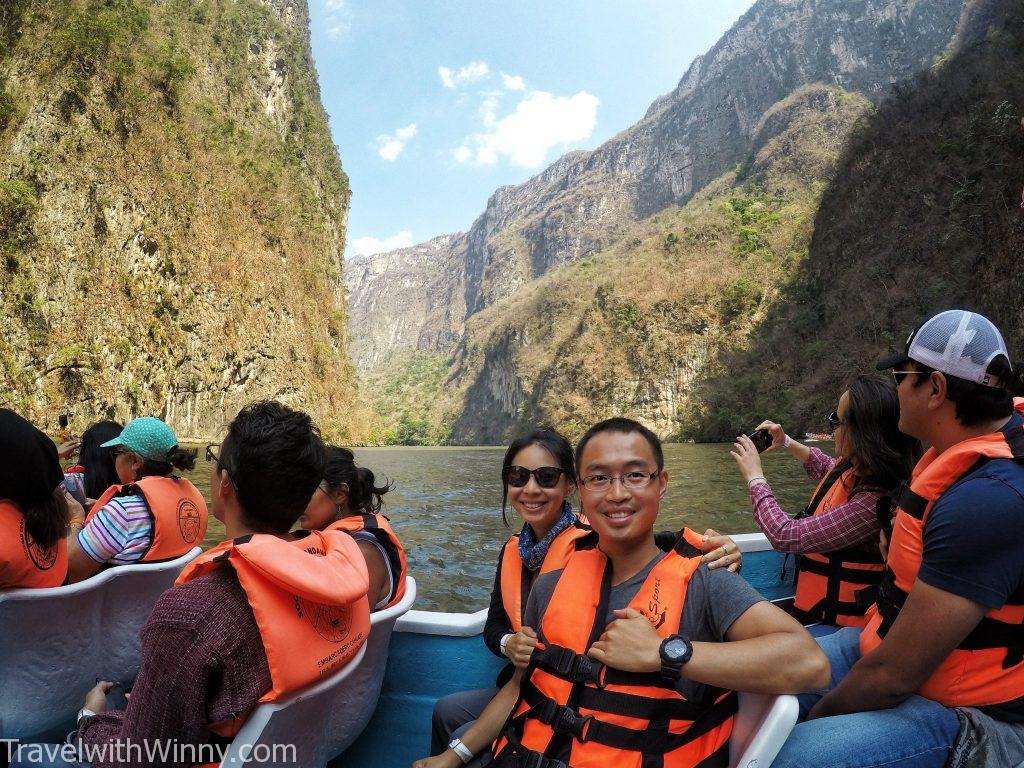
x,y
446,508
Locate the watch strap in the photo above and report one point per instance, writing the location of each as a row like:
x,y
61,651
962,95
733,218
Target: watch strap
x,y
673,669
460,749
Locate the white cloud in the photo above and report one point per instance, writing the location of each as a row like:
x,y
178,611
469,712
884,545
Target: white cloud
x,y
370,245
338,18
390,146
540,123
513,82
471,73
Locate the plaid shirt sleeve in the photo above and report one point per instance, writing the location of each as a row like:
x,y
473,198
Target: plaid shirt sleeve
x,y
818,464
844,526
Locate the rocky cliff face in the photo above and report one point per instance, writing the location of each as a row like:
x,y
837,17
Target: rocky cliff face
x,y
630,330
410,299
688,138
172,214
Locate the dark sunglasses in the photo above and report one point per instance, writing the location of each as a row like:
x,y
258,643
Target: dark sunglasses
x,y
212,456
834,422
546,477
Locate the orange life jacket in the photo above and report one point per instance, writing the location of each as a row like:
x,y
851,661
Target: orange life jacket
x,y
178,511
515,581
575,712
987,668
836,587
77,469
23,563
381,529
309,600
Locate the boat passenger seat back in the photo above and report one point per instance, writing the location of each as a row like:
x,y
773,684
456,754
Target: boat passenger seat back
x,y
56,642
310,727
762,725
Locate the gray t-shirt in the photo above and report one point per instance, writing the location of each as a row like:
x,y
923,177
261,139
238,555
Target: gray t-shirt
x,y
714,600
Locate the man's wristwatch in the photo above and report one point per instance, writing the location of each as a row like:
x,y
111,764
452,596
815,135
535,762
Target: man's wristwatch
x,y
460,749
501,644
675,651
83,712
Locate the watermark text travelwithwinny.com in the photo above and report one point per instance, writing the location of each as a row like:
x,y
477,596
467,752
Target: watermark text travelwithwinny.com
x,y
149,752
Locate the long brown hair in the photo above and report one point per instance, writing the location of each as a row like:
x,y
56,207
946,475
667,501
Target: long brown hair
x,y
883,456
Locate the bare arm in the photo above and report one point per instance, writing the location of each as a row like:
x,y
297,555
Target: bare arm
x,y
80,565
378,571
766,651
485,730
910,653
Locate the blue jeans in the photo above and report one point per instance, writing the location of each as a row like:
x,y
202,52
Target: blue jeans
x,y
916,734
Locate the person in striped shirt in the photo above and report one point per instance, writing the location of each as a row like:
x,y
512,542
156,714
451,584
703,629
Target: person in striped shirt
x,y
120,531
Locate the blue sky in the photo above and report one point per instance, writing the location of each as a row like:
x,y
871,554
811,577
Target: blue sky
x,y
434,104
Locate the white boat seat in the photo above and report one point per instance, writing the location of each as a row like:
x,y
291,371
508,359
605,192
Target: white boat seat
x,y
324,719
761,727
55,642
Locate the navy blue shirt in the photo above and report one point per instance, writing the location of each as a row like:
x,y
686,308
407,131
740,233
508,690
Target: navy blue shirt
x,y
974,536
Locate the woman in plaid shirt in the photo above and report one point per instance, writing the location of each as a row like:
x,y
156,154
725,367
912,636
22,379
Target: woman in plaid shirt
x,y
868,441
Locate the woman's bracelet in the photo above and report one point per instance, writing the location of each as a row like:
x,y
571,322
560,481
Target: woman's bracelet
x,y
758,479
786,441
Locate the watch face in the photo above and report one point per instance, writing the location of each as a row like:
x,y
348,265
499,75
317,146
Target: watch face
x,y
675,648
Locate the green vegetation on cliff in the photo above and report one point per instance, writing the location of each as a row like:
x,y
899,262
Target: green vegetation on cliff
x,y
407,399
172,214
923,214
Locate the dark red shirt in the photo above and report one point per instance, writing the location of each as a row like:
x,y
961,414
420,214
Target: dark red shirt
x,y
202,662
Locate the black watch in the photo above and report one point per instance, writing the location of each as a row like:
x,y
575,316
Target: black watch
x,y
675,651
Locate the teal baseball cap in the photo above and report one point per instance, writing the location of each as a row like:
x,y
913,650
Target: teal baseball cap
x,y
147,436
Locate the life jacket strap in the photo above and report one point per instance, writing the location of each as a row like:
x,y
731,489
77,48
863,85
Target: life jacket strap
x,y
585,728
833,567
830,479
883,512
910,502
515,755
1015,439
567,664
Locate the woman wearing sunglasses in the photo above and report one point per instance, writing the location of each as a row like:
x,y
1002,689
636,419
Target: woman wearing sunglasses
x,y
835,536
151,515
348,499
538,478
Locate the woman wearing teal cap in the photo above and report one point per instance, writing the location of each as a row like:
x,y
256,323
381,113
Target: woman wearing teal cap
x,y
152,515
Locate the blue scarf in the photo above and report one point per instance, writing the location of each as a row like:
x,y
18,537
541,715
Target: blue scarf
x,y
532,551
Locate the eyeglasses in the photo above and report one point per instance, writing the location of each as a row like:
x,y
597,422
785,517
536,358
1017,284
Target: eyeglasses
x,y
834,422
546,477
634,481
899,376
211,456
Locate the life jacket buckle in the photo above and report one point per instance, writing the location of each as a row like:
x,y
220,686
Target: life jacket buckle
x,y
572,722
531,759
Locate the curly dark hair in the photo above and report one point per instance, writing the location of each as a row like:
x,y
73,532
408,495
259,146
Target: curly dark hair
x,y
275,458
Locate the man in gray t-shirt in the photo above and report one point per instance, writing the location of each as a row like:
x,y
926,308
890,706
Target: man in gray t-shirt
x,y
728,638
714,600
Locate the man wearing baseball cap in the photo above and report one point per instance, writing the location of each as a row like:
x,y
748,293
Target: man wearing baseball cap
x,y
941,660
